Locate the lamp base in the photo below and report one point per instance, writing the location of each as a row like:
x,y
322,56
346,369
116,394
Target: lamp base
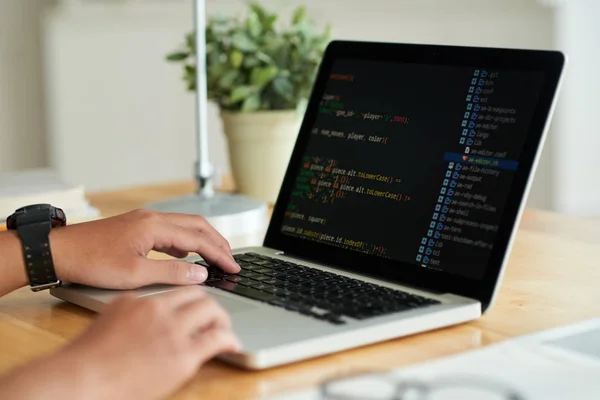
x,y
231,215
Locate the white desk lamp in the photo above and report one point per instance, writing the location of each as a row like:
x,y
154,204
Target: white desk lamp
x,y
232,215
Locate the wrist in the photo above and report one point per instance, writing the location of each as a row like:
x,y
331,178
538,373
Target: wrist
x,y
33,225
82,375
12,263
61,251
97,376
65,375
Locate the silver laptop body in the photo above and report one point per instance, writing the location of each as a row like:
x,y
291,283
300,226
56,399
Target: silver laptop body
x,y
274,335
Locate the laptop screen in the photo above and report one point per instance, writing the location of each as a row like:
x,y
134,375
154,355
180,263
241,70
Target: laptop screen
x,y
412,162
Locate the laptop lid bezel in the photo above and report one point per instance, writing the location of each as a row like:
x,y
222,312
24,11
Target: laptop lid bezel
x,y
551,63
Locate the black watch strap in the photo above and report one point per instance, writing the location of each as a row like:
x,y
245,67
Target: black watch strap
x,y
38,257
33,225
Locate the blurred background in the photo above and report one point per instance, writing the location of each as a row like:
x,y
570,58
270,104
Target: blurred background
x,y
85,88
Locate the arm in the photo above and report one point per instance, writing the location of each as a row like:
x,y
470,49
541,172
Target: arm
x,y
141,348
12,268
112,253
138,348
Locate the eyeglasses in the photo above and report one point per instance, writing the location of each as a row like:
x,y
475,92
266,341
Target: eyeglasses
x,y
386,387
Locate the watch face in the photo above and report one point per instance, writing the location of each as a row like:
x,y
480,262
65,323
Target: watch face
x,y
34,207
41,206
43,212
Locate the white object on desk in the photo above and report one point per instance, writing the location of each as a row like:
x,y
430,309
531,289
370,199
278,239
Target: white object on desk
x,y
22,188
559,364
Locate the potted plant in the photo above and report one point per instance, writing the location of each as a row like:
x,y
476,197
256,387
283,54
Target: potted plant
x,y
260,74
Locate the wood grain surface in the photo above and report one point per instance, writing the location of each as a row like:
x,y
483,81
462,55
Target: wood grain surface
x,y
552,279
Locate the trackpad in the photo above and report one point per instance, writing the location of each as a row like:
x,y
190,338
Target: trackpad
x,y
232,306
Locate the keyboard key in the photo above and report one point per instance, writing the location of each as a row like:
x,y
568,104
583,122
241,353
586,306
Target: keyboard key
x,y
260,270
266,263
249,274
249,266
269,281
242,290
333,318
259,286
245,257
240,279
303,289
254,255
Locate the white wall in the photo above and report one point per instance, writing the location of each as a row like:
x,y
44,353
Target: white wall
x,y
120,115
22,126
575,154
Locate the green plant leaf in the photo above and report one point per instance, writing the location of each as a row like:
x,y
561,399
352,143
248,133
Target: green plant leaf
x,y
299,15
241,93
220,19
250,61
283,87
243,42
190,69
262,76
189,75
269,24
236,58
252,103
228,78
190,40
260,11
280,55
327,34
263,57
178,56
213,55
253,24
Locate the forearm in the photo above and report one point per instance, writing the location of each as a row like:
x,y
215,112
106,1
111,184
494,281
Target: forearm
x,y
12,267
12,264
52,377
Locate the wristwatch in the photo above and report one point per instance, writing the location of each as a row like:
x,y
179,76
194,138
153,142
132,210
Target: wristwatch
x,y
33,224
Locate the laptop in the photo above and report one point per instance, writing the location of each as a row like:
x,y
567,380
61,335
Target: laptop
x,y
400,203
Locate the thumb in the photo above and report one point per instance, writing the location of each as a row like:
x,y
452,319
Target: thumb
x,y
174,272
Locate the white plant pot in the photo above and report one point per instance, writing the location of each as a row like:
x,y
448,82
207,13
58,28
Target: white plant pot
x,y
260,146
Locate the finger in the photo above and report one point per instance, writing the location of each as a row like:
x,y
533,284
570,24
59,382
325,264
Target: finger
x,y
173,252
173,272
202,315
199,223
175,236
117,303
215,342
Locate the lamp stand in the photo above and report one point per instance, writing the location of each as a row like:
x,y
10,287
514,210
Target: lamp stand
x,y
232,215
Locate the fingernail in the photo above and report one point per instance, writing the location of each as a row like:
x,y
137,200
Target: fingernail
x,y
235,265
198,273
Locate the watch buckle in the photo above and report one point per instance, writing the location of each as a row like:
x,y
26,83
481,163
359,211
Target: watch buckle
x,y
45,286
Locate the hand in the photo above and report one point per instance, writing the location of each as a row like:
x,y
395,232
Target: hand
x,y
138,348
147,347
112,253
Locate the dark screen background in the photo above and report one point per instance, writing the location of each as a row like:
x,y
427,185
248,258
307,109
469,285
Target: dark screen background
x,y
385,147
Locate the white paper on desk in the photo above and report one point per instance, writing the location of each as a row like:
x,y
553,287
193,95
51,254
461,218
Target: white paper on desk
x,y
535,370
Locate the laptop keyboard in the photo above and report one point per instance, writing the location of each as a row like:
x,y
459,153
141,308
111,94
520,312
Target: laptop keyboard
x,y
309,291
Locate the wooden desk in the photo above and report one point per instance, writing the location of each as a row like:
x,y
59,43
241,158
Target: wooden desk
x,y
552,279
